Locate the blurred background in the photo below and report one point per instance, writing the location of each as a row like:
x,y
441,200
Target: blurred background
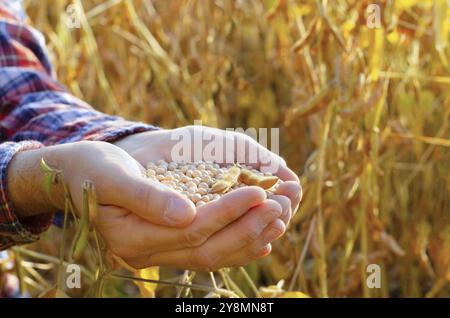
x,y
362,102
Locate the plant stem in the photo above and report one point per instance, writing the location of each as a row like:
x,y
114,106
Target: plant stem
x,y
50,259
250,281
220,291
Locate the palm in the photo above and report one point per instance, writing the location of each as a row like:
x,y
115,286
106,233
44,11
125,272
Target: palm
x,y
147,147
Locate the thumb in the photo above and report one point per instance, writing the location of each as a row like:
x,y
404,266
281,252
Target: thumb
x,y
154,202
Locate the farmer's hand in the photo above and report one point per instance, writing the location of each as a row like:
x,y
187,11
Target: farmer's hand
x,y
117,177
142,147
144,222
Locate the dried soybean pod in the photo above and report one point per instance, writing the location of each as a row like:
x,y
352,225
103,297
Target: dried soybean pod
x,y
92,203
228,181
232,174
250,178
268,182
81,239
220,186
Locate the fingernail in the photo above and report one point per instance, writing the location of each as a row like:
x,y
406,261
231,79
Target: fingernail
x,y
270,216
264,251
176,211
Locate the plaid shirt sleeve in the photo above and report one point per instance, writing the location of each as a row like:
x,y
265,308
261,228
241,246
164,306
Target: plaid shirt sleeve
x,y
35,111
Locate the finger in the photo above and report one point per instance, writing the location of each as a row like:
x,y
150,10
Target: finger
x,y
258,253
258,248
285,203
242,232
170,260
210,258
216,215
129,235
145,236
293,191
122,230
273,163
138,262
151,200
248,151
199,259
286,174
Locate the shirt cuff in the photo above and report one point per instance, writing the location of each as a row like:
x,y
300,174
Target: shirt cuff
x,y
12,230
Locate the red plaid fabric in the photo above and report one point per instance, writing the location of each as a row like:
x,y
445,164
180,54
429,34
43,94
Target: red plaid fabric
x,y
36,111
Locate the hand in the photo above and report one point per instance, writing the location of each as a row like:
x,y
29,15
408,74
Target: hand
x,y
118,179
232,231
143,222
156,145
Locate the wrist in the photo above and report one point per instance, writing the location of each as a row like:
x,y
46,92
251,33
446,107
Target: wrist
x,y
25,183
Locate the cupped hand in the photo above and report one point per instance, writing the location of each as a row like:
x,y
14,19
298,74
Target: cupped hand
x,y
119,181
142,147
234,230
144,222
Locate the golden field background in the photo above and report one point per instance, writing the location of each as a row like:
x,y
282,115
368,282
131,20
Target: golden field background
x,y
363,116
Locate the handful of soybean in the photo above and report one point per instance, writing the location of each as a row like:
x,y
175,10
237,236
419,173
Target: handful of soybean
x,y
203,182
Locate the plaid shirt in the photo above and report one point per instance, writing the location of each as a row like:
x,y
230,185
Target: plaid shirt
x,y
36,111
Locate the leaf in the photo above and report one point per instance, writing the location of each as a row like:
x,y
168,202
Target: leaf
x,y
48,179
147,289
